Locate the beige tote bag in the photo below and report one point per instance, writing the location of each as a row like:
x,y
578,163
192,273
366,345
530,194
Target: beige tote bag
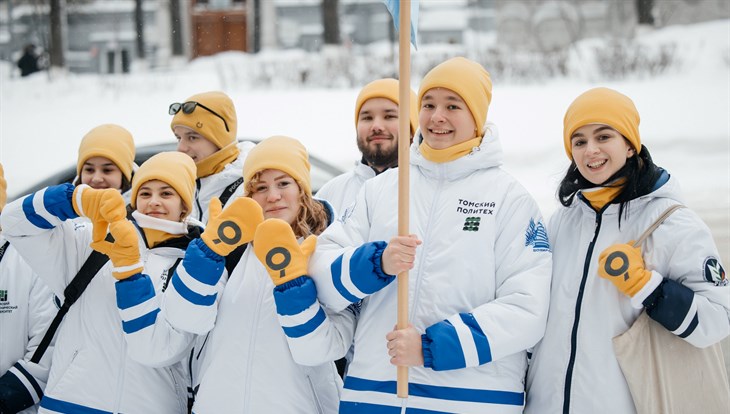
x,y
665,373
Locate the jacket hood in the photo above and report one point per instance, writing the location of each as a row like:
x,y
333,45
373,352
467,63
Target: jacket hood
x,y
487,155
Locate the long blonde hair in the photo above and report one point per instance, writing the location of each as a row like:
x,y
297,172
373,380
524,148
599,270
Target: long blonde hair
x,y
312,216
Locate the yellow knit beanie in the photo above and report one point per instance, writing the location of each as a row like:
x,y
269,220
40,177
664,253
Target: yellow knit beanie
x,y
602,106
279,153
108,141
206,123
388,89
174,168
466,78
3,188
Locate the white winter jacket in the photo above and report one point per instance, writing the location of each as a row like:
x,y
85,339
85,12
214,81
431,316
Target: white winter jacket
x,y
91,369
214,185
342,190
246,364
479,287
26,310
574,369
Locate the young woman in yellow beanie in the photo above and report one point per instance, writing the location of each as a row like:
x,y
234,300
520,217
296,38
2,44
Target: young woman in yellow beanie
x,y
97,363
611,193
244,365
205,126
106,158
478,257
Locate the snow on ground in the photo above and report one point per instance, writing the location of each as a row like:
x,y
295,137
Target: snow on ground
x,y
685,117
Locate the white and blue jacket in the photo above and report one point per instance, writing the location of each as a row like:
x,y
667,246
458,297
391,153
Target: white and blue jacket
x,y
478,291
26,310
92,370
246,365
574,368
342,190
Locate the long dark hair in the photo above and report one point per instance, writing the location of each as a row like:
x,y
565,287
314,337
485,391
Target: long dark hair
x,y
640,174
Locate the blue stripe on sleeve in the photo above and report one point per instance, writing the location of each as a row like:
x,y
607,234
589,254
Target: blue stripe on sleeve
x,y
31,215
480,339
57,201
295,296
672,304
31,379
67,407
134,290
306,328
336,269
189,295
445,347
438,392
142,322
691,328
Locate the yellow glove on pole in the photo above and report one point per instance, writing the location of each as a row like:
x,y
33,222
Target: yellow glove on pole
x,y
277,248
124,252
100,206
232,227
623,265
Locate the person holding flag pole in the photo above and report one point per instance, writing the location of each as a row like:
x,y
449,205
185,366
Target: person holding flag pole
x,y
477,251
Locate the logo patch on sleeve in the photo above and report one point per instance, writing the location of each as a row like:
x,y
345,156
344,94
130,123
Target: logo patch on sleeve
x,y
714,273
536,236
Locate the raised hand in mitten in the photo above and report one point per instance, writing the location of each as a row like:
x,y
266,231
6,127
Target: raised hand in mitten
x,y
100,206
623,265
232,227
124,251
277,248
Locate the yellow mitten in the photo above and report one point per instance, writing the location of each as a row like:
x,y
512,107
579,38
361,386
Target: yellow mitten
x,y
100,206
233,226
124,252
3,188
277,248
623,265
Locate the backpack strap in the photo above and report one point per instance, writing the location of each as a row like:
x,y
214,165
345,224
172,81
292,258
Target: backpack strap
x,y
3,249
228,191
73,291
234,257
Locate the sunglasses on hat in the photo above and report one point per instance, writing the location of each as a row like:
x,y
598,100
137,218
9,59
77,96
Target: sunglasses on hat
x,y
189,107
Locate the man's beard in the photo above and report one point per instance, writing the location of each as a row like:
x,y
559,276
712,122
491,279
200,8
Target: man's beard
x,y
379,156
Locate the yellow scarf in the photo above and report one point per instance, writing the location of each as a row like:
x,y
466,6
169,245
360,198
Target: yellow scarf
x,y
600,196
155,237
218,160
448,154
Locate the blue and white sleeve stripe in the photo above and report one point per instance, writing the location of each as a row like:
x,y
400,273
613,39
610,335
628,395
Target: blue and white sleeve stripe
x,y
298,311
138,305
47,207
358,273
457,342
196,279
19,389
673,306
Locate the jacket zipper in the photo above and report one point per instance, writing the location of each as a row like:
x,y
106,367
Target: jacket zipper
x,y
120,378
252,341
578,305
317,403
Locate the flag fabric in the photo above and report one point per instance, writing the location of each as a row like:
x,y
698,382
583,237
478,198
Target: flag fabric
x,y
394,9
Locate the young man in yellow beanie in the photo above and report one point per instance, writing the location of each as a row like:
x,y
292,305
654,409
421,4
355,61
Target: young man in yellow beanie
x,y
246,349
479,263
99,364
611,193
106,158
28,309
376,124
205,126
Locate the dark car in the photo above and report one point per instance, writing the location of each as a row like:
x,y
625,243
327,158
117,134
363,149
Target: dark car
x,y
321,172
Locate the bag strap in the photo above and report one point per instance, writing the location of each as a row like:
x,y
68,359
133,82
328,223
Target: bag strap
x,y
228,191
668,212
3,249
73,291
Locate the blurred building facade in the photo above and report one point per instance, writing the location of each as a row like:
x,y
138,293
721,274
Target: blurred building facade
x,y
100,34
